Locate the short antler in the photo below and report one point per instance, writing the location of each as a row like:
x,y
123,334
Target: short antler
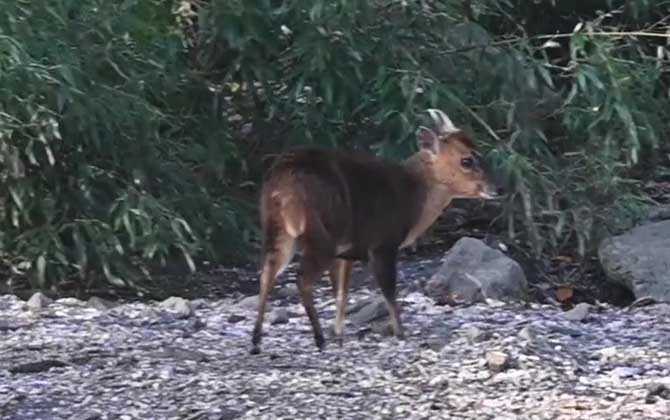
x,y
442,121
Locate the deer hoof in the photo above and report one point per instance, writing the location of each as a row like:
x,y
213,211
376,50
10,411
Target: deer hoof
x,y
320,343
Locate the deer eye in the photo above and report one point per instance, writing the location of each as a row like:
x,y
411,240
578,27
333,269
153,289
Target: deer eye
x,y
467,163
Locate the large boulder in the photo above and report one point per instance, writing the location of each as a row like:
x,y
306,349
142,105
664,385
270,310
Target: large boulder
x,y
640,260
472,271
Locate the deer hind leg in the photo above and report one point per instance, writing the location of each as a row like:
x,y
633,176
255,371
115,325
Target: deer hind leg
x,y
313,266
383,265
275,260
340,273
318,255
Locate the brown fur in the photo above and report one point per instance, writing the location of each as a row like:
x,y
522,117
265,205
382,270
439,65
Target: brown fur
x,y
338,207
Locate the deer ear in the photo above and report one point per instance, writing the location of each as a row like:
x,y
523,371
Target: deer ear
x,y
428,140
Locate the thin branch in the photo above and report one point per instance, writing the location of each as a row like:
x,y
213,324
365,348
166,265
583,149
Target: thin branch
x,y
554,36
621,33
483,123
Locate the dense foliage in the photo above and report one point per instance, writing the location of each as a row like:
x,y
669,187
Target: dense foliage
x,y
136,131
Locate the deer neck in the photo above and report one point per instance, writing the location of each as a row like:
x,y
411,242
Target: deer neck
x,y
435,198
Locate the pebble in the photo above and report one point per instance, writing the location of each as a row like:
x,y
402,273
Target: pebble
x,y
475,334
279,316
497,360
38,301
578,313
625,372
248,303
177,306
99,303
133,361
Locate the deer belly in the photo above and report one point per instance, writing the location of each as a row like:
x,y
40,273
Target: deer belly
x,y
348,251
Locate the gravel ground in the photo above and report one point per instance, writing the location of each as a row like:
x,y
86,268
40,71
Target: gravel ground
x,y
189,360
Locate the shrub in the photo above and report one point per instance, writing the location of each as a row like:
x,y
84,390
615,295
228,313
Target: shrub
x,y
135,131
102,137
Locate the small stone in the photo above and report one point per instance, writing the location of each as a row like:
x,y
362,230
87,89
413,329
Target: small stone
x,y
435,344
375,309
494,303
7,325
288,291
382,328
608,352
572,332
69,301
578,313
656,389
99,303
37,367
38,301
642,301
199,304
195,324
528,333
625,372
87,415
249,303
167,373
497,361
234,319
279,316
476,335
439,381
515,376
178,306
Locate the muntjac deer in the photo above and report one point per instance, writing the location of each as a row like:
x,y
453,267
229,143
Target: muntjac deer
x,y
339,207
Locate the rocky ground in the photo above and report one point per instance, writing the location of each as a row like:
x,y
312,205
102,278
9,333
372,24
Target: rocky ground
x,y
180,359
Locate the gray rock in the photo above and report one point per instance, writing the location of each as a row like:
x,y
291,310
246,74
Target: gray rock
x,y
560,329
11,324
439,381
234,319
249,303
625,372
476,335
638,260
655,389
578,313
659,213
289,290
515,376
178,306
279,316
373,310
38,301
87,415
474,272
608,353
177,353
99,303
70,301
37,367
436,343
528,333
382,328
166,373
199,304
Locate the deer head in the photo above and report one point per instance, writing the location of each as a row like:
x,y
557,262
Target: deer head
x,y
450,159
